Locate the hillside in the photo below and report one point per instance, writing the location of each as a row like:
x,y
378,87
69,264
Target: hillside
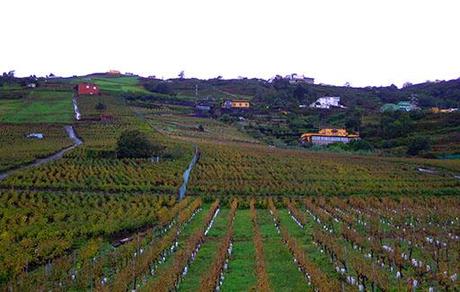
x,y
279,111
254,215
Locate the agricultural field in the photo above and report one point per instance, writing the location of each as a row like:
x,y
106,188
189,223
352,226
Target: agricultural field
x,y
190,127
13,136
282,244
41,105
113,85
247,169
255,217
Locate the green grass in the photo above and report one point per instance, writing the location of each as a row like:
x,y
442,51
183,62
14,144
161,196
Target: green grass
x,y
189,229
241,274
41,106
115,85
206,254
282,271
304,238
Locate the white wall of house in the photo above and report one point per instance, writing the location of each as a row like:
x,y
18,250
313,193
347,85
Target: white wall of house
x,y
327,102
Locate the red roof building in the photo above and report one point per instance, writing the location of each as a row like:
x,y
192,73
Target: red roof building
x,y
87,89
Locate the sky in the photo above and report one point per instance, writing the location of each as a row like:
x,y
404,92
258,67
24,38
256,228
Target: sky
x,y
363,42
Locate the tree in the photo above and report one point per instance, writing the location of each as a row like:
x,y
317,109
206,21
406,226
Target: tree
x,y
163,88
418,144
135,144
353,120
181,74
279,83
100,106
299,92
407,84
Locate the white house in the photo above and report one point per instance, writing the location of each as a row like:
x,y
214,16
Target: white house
x,y
327,102
296,79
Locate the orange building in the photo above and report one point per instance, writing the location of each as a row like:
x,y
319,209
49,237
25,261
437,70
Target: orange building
x,y
114,72
329,136
236,104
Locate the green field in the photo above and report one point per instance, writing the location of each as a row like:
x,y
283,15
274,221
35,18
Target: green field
x,y
40,106
113,84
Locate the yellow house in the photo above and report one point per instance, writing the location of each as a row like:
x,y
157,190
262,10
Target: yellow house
x,y
328,136
240,104
236,104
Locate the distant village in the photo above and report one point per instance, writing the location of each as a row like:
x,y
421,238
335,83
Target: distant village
x,y
233,105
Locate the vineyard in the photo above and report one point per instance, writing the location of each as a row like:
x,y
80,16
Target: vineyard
x,y
92,167
240,243
254,217
27,149
245,169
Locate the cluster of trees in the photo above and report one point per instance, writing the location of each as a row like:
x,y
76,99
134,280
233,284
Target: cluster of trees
x,y
159,87
135,144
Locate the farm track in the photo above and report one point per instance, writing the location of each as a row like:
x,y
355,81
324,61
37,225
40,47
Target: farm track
x,y
58,155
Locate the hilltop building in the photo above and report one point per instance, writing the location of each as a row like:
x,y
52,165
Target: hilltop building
x,y
300,79
236,104
328,136
85,88
327,102
114,72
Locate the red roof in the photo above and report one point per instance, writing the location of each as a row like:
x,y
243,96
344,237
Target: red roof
x,y
87,89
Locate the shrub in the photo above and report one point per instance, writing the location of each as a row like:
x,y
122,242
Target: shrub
x,y
135,144
100,106
417,145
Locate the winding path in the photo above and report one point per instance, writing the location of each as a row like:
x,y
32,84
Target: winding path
x,y
186,176
72,136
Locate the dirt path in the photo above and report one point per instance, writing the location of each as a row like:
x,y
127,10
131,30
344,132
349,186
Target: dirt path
x,y
72,136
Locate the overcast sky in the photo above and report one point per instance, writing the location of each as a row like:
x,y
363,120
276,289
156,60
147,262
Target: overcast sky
x,y
364,42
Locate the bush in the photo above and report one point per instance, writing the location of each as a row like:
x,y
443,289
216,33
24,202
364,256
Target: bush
x,y
135,144
417,145
161,87
100,106
361,145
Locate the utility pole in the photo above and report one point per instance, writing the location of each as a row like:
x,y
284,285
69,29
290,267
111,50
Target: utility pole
x,y
196,90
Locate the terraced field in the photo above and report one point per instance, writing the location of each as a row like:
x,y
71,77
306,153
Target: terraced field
x,y
255,217
306,244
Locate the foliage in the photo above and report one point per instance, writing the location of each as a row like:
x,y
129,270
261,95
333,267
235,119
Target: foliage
x,y
135,144
100,106
46,225
161,87
418,144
